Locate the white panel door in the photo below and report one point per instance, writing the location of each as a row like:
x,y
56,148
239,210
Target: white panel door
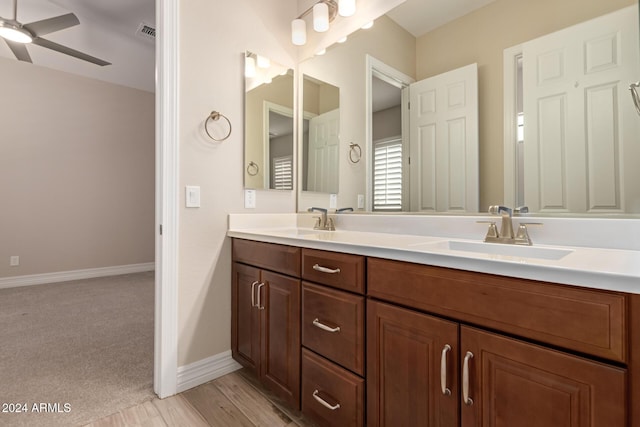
x,y
444,142
324,132
581,136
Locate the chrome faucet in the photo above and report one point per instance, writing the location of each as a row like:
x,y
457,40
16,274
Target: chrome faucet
x,y
506,234
323,222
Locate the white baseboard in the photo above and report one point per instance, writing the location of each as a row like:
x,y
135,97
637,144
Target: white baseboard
x,y
65,276
205,370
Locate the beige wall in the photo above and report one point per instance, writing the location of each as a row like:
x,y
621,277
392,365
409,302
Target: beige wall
x,y
76,172
482,37
387,123
213,36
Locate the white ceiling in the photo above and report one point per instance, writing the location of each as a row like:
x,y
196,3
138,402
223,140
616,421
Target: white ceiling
x,y
107,30
421,16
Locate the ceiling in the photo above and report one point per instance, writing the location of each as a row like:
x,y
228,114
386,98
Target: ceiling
x,y
107,30
421,16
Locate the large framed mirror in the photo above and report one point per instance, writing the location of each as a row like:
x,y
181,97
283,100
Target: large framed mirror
x,y
269,119
417,41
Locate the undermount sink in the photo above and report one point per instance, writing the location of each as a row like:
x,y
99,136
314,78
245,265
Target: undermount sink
x,y
498,249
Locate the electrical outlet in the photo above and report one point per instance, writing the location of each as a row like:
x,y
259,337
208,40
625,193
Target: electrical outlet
x,y
333,201
14,261
249,199
360,201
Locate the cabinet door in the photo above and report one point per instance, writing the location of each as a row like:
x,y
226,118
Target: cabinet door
x,y
513,383
405,369
245,322
280,369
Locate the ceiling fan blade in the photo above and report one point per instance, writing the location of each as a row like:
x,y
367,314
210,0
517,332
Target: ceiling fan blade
x,y
46,26
19,50
68,51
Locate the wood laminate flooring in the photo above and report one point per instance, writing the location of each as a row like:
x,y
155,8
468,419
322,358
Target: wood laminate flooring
x,y
236,399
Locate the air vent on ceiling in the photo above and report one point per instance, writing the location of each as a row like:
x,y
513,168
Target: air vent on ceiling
x,y
146,31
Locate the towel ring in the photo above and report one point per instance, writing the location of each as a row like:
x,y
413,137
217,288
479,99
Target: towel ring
x,y
253,169
633,87
215,116
355,148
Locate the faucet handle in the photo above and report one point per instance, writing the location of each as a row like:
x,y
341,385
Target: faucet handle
x,y
492,232
318,224
522,236
521,210
330,225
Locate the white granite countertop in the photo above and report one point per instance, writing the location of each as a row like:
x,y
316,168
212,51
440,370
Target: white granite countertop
x,y
593,267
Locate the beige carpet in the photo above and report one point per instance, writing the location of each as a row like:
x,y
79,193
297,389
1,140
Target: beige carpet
x,y
87,344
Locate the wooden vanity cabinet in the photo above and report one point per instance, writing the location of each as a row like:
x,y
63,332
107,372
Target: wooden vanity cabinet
x,y
416,375
510,382
265,327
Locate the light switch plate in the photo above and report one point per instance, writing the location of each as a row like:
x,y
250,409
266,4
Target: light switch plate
x,y
249,199
360,201
192,196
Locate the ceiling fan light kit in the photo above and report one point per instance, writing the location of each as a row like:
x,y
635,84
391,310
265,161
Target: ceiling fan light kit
x,y
18,35
15,33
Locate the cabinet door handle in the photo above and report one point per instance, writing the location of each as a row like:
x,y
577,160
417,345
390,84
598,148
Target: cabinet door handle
x,y
259,304
465,379
317,323
324,402
253,293
318,267
443,370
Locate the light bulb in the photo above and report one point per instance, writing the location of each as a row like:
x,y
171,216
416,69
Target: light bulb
x,y
263,62
342,40
249,67
346,7
321,17
367,25
298,32
321,52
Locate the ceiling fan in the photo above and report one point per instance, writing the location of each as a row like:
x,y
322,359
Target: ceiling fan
x,y
18,35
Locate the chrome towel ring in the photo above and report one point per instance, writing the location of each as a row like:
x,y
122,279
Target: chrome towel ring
x,y
215,116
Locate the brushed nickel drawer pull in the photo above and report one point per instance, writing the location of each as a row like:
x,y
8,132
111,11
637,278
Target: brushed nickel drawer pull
x,y
465,379
316,322
259,304
253,293
443,370
324,402
318,267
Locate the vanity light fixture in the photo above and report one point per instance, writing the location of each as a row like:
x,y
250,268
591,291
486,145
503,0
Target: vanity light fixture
x,y
324,12
342,40
321,52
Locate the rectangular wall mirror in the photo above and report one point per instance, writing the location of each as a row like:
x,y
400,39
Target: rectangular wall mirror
x,y
563,142
269,117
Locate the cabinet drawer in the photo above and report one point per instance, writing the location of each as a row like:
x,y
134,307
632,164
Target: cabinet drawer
x,y
333,325
270,256
331,395
584,320
342,271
